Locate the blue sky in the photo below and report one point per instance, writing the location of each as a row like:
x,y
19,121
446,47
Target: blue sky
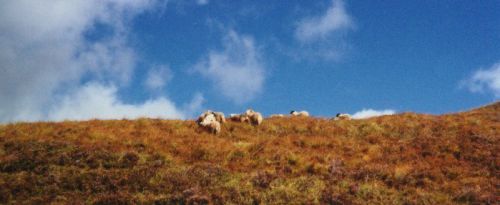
x,y
173,59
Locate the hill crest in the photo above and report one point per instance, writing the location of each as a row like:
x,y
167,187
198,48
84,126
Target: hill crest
x,y
406,158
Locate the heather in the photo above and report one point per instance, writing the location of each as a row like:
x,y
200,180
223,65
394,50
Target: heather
x,y
407,158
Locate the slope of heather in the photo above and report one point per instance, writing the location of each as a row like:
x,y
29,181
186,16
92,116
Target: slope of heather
x,y
401,159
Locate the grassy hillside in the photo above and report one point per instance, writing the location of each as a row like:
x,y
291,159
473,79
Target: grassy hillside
x,y
401,159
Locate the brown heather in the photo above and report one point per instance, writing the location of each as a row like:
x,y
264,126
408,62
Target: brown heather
x,y
401,159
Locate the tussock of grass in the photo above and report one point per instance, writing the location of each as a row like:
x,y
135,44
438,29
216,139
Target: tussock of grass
x,y
401,159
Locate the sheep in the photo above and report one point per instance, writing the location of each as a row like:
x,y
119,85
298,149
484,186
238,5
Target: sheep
x,y
249,112
276,115
203,116
239,118
234,117
211,120
254,117
299,113
250,116
342,116
210,123
219,116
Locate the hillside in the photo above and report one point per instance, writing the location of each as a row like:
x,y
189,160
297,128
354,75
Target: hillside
x,y
400,159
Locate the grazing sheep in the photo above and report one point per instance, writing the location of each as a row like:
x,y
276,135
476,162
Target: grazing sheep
x,y
219,116
249,112
276,115
342,116
299,113
234,117
239,118
209,122
203,116
255,117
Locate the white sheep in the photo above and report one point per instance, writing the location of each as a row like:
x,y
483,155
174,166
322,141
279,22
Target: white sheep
x,y
254,117
239,117
249,112
250,116
203,116
211,124
276,115
219,116
342,116
299,113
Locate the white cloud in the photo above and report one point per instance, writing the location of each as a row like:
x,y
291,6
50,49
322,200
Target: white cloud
x,y
96,101
158,76
202,2
45,54
110,60
237,71
367,113
486,80
335,19
195,105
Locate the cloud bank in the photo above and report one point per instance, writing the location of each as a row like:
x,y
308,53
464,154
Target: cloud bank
x,y
486,80
237,70
368,113
47,53
99,101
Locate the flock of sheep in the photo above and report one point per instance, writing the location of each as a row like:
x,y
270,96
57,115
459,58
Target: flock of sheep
x,y
212,121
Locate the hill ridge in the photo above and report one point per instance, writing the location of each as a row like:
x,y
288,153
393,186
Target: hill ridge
x,y
399,159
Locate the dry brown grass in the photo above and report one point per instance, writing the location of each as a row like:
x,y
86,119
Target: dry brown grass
x,y
401,159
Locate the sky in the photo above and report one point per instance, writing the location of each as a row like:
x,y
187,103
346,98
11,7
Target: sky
x,y
114,59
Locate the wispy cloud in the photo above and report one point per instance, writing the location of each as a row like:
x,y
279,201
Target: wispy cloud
x,y
485,80
368,113
323,36
46,53
202,2
237,71
194,106
321,27
158,77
